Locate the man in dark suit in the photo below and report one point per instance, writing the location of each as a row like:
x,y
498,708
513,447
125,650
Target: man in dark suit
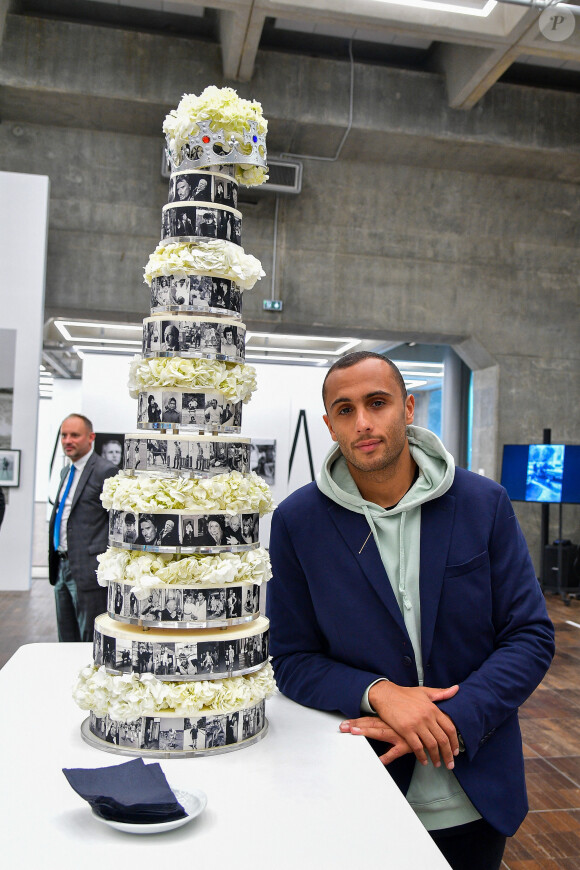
x,y
416,612
78,532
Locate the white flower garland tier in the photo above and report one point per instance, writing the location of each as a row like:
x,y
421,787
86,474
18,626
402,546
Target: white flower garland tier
x,y
231,493
226,111
146,570
128,697
236,381
215,257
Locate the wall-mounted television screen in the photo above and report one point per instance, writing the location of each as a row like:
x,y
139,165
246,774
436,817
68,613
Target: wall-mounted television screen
x,y
542,472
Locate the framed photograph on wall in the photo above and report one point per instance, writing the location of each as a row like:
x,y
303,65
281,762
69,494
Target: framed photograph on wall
x,y
9,467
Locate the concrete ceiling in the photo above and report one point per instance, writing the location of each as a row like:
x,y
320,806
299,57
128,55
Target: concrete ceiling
x,y
473,43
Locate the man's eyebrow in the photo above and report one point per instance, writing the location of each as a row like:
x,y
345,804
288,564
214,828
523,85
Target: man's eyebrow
x,y
366,396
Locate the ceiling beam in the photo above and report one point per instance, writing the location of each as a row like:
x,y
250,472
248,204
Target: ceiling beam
x,y
240,31
470,71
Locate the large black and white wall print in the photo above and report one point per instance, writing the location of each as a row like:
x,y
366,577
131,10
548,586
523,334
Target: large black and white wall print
x,y
109,445
263,459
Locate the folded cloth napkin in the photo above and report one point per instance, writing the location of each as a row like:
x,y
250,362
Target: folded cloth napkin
x,y
132,792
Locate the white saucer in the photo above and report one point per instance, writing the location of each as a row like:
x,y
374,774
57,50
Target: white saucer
x,y
193,802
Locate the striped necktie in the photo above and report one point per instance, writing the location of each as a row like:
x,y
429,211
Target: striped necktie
x,y
58,520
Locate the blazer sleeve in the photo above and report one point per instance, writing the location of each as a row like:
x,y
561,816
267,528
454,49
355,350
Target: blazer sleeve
x,y
524,638
304,670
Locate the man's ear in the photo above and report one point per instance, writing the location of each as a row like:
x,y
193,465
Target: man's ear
x,y
330,429
409,409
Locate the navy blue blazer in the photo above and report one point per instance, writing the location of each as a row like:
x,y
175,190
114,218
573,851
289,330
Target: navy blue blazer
x,y
336,625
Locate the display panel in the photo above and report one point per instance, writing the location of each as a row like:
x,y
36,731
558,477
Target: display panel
x,y
545,473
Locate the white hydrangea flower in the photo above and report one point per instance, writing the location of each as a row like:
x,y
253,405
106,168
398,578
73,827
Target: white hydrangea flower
x,y
143,571
216,257
232,493
128,697
236,381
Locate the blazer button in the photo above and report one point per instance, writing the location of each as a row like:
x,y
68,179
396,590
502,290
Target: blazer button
x,y
407,661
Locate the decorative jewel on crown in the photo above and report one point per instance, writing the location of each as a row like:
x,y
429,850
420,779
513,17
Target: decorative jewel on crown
x,y
210,148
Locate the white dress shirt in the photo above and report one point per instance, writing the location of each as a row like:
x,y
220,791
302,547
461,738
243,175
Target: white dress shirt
x,y
79,466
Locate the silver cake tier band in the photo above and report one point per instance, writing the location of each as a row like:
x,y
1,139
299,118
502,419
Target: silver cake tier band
x,y
104,746
216,623
191,551
214,675
193,354
192,309
168,736
191,427
185,473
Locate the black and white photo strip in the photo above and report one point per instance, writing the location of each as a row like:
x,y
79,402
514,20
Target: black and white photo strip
x,y
200,293
185,457
193,337
182,661
163,409
201,222
187,733
189,532
109,445
188,606
203,187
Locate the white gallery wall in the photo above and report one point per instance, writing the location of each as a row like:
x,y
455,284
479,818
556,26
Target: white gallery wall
x,y
23,204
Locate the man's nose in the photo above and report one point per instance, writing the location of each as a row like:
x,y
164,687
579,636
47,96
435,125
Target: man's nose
x,y
362,420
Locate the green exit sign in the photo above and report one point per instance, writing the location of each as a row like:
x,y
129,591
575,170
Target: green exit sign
x,y
273,305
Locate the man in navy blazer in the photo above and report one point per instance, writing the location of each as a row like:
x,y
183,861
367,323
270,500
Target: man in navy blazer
x,y
83,533
404,597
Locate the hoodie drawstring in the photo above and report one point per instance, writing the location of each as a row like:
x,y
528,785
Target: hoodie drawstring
x,y
402,572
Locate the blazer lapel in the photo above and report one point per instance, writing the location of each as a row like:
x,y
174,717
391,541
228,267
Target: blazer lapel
x,y
436,527
85,474
358,537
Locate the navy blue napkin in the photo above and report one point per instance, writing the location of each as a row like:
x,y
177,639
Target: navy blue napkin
x,y
132,792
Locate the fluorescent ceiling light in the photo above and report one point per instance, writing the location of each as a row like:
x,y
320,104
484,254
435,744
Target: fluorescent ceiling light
x,y
407,364
346,343
82,349
62,325
297,359
435,6
114,341
411,385
421,374
296,350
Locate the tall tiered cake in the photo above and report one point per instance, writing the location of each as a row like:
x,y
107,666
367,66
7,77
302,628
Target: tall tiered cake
x,y
181,657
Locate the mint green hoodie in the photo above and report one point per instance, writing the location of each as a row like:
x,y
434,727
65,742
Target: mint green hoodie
x,y
434,793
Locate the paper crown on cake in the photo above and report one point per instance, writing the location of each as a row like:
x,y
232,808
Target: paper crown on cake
x,y
210,147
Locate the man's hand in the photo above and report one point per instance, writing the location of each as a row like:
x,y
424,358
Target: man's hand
x,y
412,714
375,728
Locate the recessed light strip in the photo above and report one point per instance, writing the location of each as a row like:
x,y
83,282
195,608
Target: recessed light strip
x,y
82,349
62,325
436,6
346,343
297,359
